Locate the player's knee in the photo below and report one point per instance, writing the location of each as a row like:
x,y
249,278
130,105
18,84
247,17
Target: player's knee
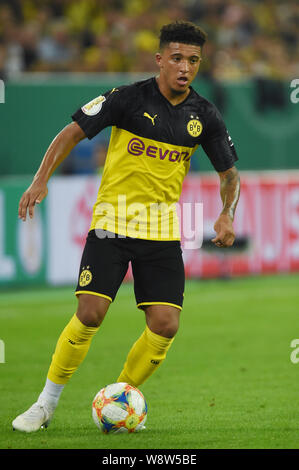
x,y
170,328
163,321
92,309
167,330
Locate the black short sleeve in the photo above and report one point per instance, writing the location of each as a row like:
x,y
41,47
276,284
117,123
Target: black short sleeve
x,y
103,111
217,143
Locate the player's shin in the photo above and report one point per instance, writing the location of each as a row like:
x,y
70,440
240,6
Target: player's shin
x,y
145,356
72,347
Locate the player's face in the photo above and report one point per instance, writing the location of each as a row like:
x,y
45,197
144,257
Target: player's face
x,y
179,64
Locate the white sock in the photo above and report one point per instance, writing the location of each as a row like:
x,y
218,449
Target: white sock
x,y
51,393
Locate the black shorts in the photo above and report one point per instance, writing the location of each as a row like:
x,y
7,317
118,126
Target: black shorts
x,y
157,267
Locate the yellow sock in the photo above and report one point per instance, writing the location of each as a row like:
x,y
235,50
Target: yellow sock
x,y
71,349
145,357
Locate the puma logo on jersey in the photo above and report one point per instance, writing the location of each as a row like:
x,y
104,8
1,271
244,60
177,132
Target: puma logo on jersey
x,y
150,117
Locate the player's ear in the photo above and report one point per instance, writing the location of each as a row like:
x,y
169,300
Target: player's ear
x,y
158,59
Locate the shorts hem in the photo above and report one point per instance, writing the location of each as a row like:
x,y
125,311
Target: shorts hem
x,y
93,293
159,303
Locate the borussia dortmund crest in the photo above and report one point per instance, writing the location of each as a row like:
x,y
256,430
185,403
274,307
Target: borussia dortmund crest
x,y
194,127
85,277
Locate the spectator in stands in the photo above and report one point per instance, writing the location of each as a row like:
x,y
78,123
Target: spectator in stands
x,y
69,35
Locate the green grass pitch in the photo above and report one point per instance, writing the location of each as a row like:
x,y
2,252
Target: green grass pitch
x,y
228,381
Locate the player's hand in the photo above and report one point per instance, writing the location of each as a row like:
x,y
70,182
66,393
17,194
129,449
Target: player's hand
x,y
225,235
36,192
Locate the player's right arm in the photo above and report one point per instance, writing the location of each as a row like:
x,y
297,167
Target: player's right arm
x,y
58,150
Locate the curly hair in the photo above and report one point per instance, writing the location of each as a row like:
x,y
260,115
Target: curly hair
x,y
183,32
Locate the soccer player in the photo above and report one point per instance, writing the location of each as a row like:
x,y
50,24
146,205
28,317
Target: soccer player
x,y
157,124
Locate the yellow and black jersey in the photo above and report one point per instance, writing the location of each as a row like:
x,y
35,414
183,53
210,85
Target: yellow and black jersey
x,y
149,154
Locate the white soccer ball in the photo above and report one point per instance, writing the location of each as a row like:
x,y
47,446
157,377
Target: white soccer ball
x,y
119,407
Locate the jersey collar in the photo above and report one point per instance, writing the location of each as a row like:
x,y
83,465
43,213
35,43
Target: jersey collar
x,y
155,84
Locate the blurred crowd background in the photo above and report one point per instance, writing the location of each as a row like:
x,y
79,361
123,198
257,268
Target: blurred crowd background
x,y
253,45
245,38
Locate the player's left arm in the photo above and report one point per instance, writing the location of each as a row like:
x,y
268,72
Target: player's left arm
x,y
229,192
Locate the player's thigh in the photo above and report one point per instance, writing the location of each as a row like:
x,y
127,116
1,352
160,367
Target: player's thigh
x,y
159,282
102,269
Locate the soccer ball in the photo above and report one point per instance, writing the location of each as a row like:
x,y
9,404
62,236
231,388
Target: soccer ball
x,y
119,407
